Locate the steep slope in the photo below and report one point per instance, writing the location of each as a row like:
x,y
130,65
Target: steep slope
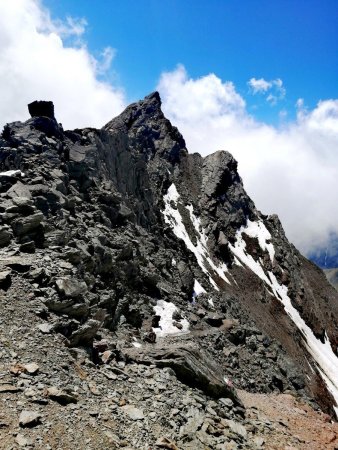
x,y
135,254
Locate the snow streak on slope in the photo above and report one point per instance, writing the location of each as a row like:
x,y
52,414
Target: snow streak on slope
x,y
173,217
323,355
258,230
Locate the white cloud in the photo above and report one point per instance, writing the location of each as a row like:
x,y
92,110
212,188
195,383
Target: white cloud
x,y
292,171
262,86
259,85
36,64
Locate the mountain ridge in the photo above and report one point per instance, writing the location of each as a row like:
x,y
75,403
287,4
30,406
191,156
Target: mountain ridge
x,y
162,254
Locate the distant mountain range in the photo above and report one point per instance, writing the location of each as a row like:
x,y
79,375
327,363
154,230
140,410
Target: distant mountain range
x,y
326,258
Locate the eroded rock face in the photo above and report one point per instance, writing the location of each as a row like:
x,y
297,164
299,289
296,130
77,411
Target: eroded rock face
x,y
123,233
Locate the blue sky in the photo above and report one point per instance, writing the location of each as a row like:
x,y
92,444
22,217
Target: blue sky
x,y
295,41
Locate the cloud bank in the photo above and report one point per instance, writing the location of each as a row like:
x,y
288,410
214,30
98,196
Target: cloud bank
x,y
36,64
291,171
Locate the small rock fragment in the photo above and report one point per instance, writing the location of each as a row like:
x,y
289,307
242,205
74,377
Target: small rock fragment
x,y
21,440
164,442
70,288
45,328
17,369
31,369
5,279
133,413
29,418
60,396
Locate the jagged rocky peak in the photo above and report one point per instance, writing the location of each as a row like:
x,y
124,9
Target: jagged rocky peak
x,y
128,244
136,114
149,132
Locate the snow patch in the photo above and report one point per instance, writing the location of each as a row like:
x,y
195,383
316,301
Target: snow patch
x,y
166,310
198,289
173,217
237,262
239,250
12,173
258,230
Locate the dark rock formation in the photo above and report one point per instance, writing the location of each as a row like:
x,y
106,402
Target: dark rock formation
x,y
41,109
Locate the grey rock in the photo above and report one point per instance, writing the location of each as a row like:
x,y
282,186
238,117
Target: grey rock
x,y
5,235
61,396
70,288
25,225
22,441
45,328
133,413
191,365
8,388
237,428
5,279
227,402
86,333
31,368
29,418
215,320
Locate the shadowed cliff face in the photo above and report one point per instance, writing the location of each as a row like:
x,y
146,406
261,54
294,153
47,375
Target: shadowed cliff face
x,y
145,238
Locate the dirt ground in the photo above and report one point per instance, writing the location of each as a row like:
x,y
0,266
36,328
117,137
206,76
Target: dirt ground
x,y
295,425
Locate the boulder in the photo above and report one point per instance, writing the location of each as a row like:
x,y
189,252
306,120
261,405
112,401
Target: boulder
x,y
41,109
25,225
85,334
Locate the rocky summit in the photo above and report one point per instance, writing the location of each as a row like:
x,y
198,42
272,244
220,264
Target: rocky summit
x,y
146,303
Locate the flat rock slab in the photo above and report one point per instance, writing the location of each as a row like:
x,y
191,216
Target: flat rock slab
x,y
8,388
192,366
